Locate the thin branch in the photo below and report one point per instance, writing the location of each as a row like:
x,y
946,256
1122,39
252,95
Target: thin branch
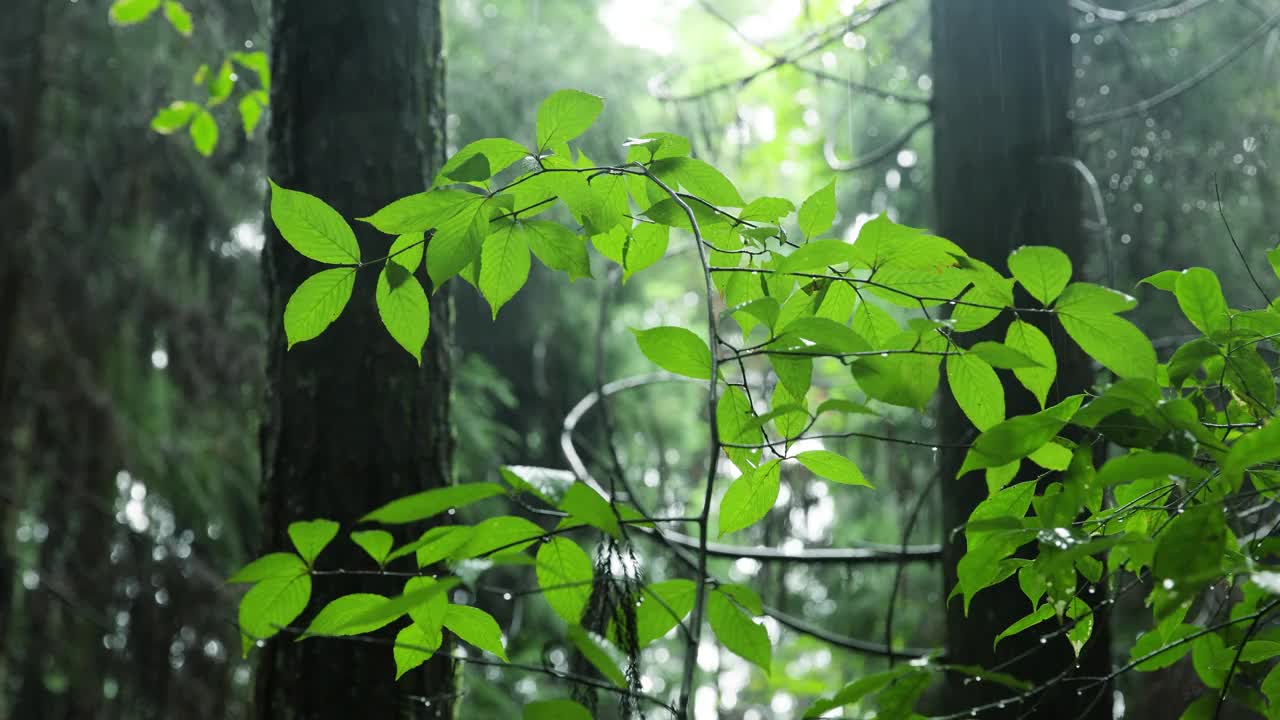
x,y
1113,16
875,156
1248,266
810,44
1188,84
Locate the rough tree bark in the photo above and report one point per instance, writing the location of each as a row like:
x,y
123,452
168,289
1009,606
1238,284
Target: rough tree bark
x,y
356,119
1002,74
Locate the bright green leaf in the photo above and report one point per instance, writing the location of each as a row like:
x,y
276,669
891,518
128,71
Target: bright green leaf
x,y
404,308
129,12
377,543
317,302
178,17
565,115
311,536
676,350
174,116
273,565
204,133
504,264
429,503
336,617
271,605
414,646
738,632
476,627
838,468
1044,271
313,228
564,573
1200,296
750,497
818,212
976,389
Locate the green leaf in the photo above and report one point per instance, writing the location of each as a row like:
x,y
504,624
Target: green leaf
x,y
1189,551
178,17
1019,436
741,635
663,606
271,605
273,565
436,544
767,209
336,617
676,350
129,12
834,467
311,536
1141,465
204,133
430,503
1200,296
565,115
555,710
1083,298
817,255
504,264
458,241
377,543
476,627
407,251
1166,280
257,63
481,160
419,593
221,84
646,245
1153,641
1002,356
981,565
857,690
1044,271
414,646
403,307
174,116
548,484
317,302
595,650
1037,616
705,182
818,212
565,572
1113,341
976,389
750,497
423,211
587,506
313,228
506,534
429,613
251,107
1258,446
1029,340
557,247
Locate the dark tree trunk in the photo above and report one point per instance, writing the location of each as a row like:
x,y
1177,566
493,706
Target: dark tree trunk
x,y
356,119
1002,89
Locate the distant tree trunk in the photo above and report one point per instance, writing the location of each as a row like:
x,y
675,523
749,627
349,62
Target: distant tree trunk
x,y
1002,87
356,119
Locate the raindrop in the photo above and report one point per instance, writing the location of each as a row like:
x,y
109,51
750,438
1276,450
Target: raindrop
x,y
1167,584
1250,144
506,596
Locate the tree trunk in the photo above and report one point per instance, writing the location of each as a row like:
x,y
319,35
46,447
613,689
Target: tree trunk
x,y
1002,89
356,119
